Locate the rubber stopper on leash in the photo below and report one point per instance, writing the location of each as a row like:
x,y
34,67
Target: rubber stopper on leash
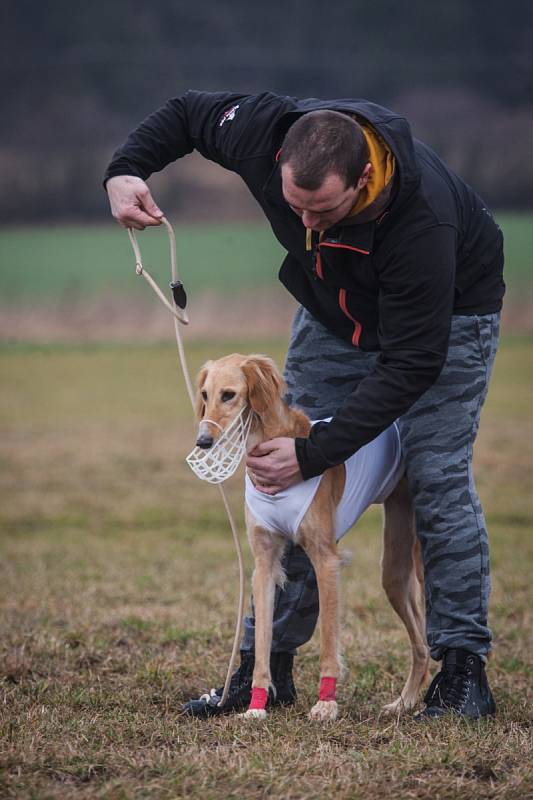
x,y
178,293
328,689
259,699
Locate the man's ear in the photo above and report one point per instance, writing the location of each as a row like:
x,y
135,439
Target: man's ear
x,y
365,175
265,384
199,406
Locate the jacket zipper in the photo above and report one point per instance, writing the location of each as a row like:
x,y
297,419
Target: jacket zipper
x,y
357,325
318,261
318,264
342,292
345,247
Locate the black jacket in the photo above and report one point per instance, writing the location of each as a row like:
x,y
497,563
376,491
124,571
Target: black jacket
x,y
390,285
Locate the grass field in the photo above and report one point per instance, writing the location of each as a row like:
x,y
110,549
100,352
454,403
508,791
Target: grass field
x,y
118,593
78,282
90,259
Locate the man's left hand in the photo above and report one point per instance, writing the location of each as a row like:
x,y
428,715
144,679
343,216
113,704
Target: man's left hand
x,y
274,465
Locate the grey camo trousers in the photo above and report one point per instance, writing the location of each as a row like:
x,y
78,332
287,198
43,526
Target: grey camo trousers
x,y
437,434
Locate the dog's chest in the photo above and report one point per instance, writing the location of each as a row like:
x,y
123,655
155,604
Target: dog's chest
x,y
371,474
283,512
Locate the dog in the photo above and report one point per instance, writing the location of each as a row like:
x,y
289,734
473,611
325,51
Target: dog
x,y
252,384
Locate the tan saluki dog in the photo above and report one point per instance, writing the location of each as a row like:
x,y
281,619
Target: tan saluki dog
x,y
253,382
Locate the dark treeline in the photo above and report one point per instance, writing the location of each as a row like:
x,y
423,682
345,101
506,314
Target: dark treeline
x,y
77,77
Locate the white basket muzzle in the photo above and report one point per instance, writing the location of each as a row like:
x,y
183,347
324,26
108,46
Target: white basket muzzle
x,y
219,462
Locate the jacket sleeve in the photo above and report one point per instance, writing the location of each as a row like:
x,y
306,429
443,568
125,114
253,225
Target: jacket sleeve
x,y
197,121
415,307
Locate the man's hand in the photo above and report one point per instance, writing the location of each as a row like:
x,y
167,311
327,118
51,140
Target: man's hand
x,y
274,465
132,205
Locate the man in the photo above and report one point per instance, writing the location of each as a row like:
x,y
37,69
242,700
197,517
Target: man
x,y
398,267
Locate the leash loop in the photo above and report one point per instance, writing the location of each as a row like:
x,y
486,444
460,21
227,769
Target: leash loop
x,y
178,309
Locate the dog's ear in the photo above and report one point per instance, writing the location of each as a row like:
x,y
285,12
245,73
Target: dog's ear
x,y
199,406
265,384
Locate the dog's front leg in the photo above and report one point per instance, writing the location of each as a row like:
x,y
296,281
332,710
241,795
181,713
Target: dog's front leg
x,y
317,537
267,549
327,574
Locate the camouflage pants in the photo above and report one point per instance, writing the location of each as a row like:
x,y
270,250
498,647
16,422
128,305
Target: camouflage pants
x,y
438,434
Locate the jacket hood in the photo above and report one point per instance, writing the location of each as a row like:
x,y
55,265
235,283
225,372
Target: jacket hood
x,y
392,127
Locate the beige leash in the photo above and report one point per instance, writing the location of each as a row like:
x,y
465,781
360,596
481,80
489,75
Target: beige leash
x,y
179,314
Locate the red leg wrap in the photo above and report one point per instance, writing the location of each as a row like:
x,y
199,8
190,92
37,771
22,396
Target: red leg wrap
x,y
328,689
259,699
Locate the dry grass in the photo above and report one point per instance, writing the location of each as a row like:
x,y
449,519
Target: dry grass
x,y
111,317
118,593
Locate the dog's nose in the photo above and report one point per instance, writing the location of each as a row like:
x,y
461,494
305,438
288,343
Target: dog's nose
x,y
205,441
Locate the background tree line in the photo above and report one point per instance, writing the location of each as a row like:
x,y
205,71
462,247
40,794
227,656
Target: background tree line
x,y
75,78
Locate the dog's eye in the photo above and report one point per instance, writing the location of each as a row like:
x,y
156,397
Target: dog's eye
x,y
227,396
204,396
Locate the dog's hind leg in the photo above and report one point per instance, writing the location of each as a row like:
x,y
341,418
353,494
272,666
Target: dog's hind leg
x,y
267,549
403,581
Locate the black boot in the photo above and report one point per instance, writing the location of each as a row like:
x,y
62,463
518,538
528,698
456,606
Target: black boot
x,y
240,689
461,687
281,671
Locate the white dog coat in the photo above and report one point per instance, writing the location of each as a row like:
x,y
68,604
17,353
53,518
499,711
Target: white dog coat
x,y
371,475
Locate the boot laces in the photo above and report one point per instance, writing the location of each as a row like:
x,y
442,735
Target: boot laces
x,y
241,675
212,698
453,690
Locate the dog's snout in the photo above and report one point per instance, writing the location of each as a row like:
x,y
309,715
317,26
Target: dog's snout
x,y
205,441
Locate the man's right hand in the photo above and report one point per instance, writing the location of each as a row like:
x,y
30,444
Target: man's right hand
x,y
132,205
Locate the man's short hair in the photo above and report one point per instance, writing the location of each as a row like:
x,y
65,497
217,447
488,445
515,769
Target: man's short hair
x,y
323,142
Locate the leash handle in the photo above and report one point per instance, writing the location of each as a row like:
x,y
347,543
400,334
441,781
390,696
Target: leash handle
x,y
179,313
180,299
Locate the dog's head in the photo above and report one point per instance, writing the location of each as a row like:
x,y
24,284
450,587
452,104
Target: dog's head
x,y
230,385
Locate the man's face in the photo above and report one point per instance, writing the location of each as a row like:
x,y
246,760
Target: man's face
x,y
321,208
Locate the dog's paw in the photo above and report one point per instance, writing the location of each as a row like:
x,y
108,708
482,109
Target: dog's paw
x,y
393,709
254,713
399,706
324,711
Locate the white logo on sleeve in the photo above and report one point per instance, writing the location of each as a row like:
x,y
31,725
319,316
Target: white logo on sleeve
x,y
228,115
